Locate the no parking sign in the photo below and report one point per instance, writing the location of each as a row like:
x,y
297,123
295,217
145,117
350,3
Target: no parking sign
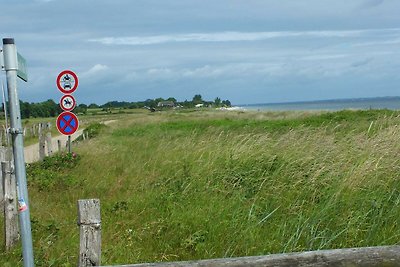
x,y
67,123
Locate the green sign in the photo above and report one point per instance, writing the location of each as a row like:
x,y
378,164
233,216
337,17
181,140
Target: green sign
x,y
22,70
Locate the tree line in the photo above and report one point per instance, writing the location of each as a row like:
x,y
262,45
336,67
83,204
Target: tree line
x,y
49,108
154,103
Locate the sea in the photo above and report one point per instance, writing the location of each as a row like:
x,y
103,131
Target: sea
x,y
392,103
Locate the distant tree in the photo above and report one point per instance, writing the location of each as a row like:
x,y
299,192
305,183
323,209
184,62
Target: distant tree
x,y
134,105
158,100
217,101
81,108
226,103
187,104
197,99
25,109
43,109
172,99
93,105
150,103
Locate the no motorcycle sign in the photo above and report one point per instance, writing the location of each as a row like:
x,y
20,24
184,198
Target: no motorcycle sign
x,y
67,82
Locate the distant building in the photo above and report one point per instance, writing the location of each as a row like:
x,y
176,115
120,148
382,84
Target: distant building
x,y
169,104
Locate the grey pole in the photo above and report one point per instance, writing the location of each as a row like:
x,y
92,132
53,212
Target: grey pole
x,y
11,67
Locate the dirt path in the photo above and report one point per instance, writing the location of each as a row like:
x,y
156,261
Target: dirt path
x,y
32,152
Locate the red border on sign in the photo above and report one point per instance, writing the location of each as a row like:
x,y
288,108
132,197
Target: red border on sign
x,y
59,78
62,100
62,130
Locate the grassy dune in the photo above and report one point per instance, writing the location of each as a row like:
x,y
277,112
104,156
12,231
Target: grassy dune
x,y
195,185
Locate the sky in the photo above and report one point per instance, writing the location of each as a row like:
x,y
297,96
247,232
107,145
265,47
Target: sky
x,y
247,51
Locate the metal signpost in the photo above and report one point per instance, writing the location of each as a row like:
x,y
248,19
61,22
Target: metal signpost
x,y
15,65
67,122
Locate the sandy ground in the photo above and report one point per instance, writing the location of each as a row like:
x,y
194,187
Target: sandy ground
x,y
32,152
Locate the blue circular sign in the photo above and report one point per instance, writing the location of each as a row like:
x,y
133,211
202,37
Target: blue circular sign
x,y
67,123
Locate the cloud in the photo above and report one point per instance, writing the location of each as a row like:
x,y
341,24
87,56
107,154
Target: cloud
x,y
96,69
223,37
361,63
394,41
371,3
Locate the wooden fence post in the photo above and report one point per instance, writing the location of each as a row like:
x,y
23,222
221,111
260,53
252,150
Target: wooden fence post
x,y
89,222
42,143
59,145
10,206
2,158
49,145
5,155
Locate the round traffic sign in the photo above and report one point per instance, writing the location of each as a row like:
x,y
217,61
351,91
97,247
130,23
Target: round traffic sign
x,y
67,102
67,82
67,123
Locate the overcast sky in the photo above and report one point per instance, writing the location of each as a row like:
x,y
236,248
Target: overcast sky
x,y
247,51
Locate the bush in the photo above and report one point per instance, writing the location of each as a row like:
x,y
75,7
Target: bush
x,y
52,170
94,129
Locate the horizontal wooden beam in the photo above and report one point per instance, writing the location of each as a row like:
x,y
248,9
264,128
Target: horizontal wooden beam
x,y
388,256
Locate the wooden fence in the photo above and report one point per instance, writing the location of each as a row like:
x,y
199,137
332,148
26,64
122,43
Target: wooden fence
x,y
89,222
33,130
90,251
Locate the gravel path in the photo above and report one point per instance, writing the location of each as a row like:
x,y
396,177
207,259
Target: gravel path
x,y
32,152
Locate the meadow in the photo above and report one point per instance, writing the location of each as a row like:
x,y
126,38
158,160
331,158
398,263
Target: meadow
x,y
205,184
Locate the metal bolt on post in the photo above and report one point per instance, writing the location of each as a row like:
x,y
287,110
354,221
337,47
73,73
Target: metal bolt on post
x,y
11,68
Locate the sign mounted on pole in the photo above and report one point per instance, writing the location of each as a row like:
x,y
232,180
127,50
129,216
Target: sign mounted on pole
x,y
67,123
67,103
67,82
11,68
22,72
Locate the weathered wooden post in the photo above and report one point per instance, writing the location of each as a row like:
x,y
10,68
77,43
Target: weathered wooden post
x,y
49,145
42,142
48,139
10,206
59,145
5,155
2,158
89,222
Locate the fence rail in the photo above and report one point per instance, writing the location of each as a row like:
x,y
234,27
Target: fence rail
x,y
387,256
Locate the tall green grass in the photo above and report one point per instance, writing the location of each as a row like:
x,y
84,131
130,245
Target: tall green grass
x,y
179,186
